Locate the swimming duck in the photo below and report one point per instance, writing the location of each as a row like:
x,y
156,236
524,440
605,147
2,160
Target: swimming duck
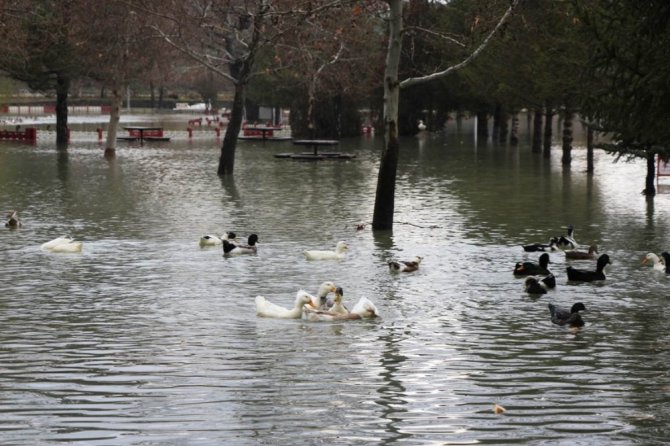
x,y
63,244
579,275
406,266
561,316
533,285
581,255
338,307
213,240
340,250
542,247
532,268
566,242
320,301
421,126
364,309
13,220
232,249
666,259
655,261
265,308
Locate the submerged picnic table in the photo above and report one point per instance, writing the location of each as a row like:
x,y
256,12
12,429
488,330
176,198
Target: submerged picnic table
x,y
262,132
144,134
315,154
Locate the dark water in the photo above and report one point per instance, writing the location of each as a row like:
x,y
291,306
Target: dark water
x,y
146,339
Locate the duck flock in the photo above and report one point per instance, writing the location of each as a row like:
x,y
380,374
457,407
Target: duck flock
x,y
315,308
539,278
321,307
318,307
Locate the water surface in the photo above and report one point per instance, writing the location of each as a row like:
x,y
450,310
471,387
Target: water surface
x,y
147,339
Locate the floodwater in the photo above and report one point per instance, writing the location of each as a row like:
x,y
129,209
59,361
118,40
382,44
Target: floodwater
x,y
145,338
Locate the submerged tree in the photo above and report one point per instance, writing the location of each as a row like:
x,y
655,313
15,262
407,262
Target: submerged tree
x,y
386,181
38,47
228,38
627,72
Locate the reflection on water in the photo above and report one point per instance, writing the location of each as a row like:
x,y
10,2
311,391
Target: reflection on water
x,y
145,338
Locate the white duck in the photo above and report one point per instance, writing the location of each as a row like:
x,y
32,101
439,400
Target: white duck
x,y
214,240
655,261
340,250
265,308
364,309
338,307
321,295
63,244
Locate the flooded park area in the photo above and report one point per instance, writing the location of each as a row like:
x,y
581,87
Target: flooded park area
x,y
146,338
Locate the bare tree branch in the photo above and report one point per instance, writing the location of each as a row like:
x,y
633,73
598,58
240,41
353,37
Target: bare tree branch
x,y
434,33
419,80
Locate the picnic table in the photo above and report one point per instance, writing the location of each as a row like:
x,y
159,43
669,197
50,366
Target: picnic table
x,y
315,154
144,134
262,132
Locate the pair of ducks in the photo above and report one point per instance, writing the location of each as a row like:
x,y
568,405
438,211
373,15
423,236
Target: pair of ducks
x,y
317,307
341,249
562,242
59,244
574,274
230,244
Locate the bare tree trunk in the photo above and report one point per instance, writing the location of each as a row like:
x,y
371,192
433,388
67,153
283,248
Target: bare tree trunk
x,y
482,124
567,138
114,118
152,90
589,150
62,91
385,195
548,131
497,119
650,187
514,135
503,125
227,159
537,131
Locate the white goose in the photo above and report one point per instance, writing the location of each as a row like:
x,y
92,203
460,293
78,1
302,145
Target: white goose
x,y
655,261
340,250
265,308
321,295
214,240
63,244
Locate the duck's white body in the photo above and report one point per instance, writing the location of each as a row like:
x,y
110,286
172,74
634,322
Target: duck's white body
x,y
655,261
265,308
339,253
214,240
63,244
364,309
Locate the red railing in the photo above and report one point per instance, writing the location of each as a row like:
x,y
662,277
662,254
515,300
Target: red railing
x,y
29,134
